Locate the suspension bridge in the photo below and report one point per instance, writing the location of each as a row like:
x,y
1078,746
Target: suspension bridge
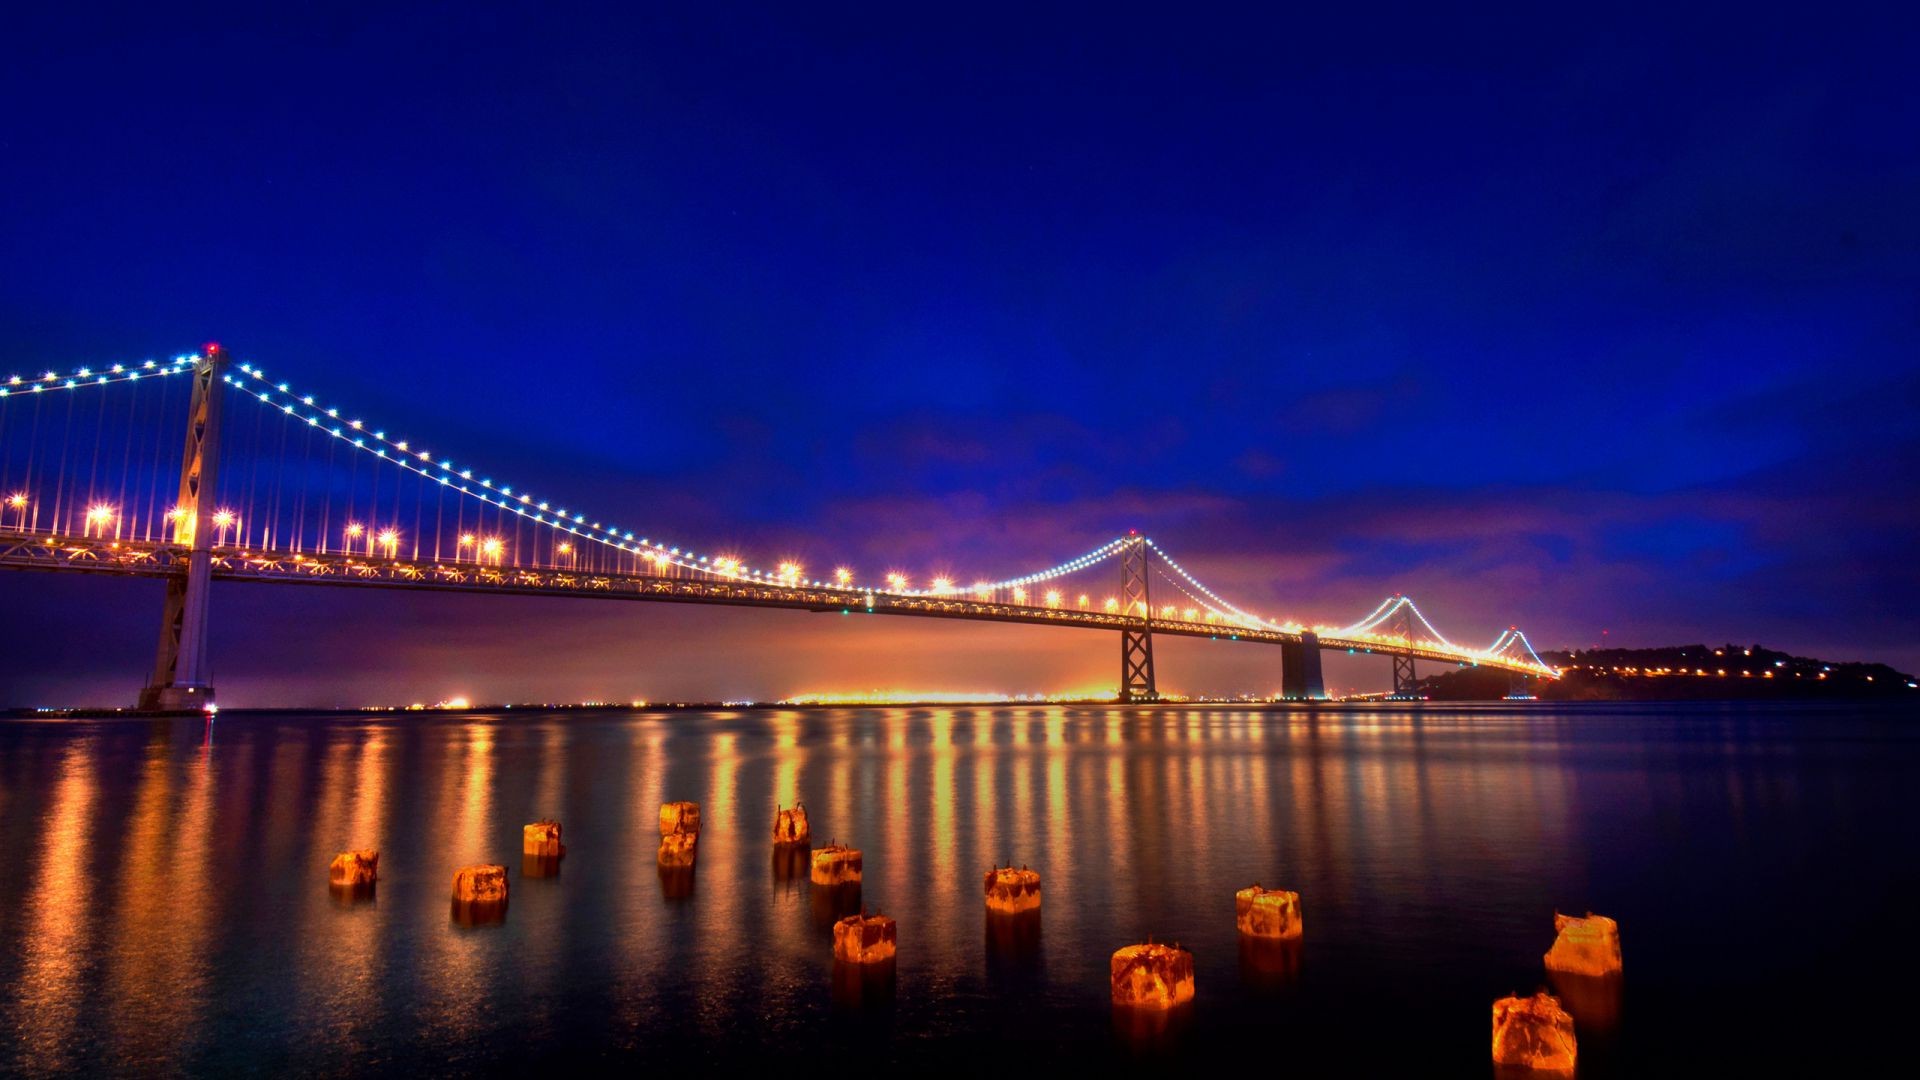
x,y
277,486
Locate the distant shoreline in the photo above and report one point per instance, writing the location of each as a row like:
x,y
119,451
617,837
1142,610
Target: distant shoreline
x,y
1342,705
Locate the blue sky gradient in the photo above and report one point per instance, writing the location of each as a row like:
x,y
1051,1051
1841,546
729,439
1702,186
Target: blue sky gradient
x,y
1585,320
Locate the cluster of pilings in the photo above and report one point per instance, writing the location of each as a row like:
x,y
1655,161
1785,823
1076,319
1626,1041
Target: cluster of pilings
x,y
1537,1032
1145,980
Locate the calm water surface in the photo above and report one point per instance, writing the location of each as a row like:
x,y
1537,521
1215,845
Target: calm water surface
x,y
166,907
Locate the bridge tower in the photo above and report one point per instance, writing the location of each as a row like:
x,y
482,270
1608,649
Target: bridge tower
x,y
1403,678
1136,646
181,682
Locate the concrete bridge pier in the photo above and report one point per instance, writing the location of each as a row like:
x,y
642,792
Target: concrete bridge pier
x,y
1300,678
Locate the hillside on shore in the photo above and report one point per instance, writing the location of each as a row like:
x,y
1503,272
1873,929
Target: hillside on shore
x,y
1683,673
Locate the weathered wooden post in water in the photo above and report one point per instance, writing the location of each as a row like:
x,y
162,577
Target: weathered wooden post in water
x,y
1152,976
836,883
1584,968
480,895
540,849
1268,913
181,682
353,874
1534,1033
865,939
836,864
1589,946
679,817
1011,891
790,828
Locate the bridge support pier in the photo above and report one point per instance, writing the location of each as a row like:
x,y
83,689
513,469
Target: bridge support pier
x,y
1300,678
1519,687
1403,677
181,682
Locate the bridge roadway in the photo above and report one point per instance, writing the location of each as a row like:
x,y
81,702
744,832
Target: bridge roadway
x,y
39,551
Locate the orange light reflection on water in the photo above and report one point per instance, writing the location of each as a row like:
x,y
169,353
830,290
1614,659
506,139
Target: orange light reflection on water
x,y
342,943
58,916
167,907
1134,817
455,964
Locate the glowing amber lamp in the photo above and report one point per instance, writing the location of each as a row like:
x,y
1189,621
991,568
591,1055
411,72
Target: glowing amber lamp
x,y
1269,913
1152,976
485,884
678,849
836,865
790,826
1589,946
1011,891
542,839
679,817
354,868
864,939
1533,1033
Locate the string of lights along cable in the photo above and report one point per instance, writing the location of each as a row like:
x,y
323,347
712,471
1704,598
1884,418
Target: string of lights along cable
x,y
279,483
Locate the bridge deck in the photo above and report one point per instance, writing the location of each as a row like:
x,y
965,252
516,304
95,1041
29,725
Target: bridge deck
x,y
146,558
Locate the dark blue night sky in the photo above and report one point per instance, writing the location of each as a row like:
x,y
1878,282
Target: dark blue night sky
x,y
1578,319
